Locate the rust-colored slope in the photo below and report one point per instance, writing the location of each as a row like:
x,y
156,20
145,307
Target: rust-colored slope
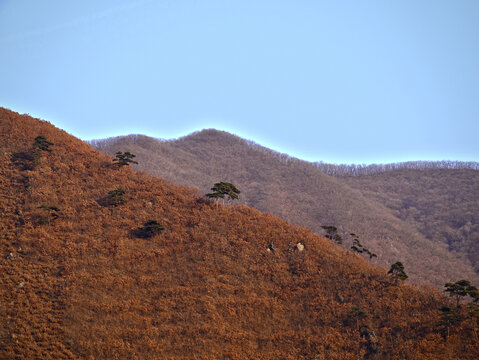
x,y
205,288
298,192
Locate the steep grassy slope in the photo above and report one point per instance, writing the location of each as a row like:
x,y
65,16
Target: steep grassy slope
x,y
441,203
78,284
296,191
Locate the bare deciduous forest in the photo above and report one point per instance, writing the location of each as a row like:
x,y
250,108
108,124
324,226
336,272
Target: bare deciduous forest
x,y
426,218
78,282
441,203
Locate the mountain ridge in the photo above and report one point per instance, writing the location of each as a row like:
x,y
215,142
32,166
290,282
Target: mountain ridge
x,y
209,156
341,169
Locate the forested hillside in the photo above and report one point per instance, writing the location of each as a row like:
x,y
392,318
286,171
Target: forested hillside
x,y
156,271
298,192
441,203
373,169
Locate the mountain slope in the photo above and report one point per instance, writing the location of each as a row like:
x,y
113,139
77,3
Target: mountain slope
x,y
441,203
77,283
296,191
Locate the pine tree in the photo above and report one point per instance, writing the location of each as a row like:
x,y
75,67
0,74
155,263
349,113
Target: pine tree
x,y
222,189
397,271
124,158
115,198
359,248
149,229
461,289
42,143
332,234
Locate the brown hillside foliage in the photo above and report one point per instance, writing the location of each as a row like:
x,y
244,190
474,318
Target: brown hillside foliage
x,y
441,203
298,192
83,286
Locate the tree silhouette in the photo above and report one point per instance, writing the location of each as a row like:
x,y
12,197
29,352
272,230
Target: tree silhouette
x,y
397,271
332,234
42,143
359,248
149,229
114,198
124,158
461,289
222,189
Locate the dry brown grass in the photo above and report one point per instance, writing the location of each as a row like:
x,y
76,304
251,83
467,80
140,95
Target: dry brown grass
x,y
300,193
205,288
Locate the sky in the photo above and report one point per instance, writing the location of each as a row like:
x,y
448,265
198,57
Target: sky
x,y
343,81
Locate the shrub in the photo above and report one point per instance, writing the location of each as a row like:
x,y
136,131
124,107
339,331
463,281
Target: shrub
x,y
114,198
149,229
53,214
49,207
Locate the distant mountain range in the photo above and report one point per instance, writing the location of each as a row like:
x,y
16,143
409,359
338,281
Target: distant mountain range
x,y
423,214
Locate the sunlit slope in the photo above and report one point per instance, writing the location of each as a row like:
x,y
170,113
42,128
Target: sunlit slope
x,y
81,285
296,191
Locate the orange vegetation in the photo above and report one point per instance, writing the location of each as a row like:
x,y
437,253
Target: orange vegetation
x,y
81,285
391,220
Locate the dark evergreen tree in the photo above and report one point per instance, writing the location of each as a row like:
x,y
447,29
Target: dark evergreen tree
x,y
461,289
124,158
359,248
397,271
42,143
116,197
332,234
149,229
222,189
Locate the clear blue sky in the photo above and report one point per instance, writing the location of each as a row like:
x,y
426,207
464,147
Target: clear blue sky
x,y
357,81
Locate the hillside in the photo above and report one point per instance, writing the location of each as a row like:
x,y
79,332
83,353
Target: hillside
x,y
441,203
298,192
78,283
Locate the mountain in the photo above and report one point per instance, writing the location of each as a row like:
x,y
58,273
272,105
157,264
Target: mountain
x,y
84,276
298,192
441,203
